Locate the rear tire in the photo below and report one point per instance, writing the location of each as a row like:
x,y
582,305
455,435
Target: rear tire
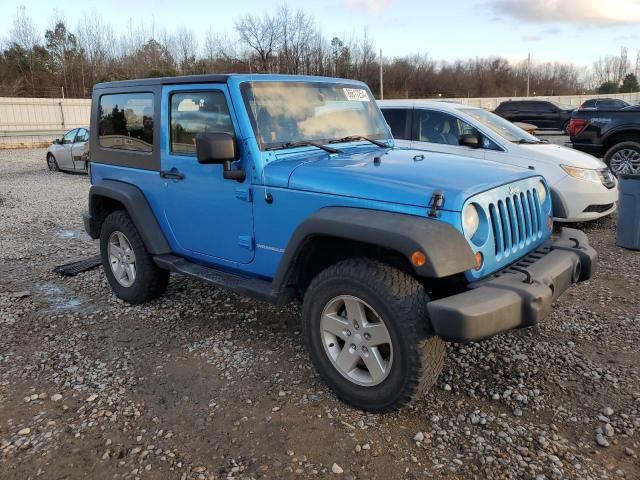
x,y
52,163
390,301
133,275
624,158
565,127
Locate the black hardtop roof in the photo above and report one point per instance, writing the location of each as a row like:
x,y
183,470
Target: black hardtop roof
x,y
207,78
144,82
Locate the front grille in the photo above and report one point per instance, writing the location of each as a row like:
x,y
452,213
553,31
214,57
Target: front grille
x,y
606,177
516,221
598,208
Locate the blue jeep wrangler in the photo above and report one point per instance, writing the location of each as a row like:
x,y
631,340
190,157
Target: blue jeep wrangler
x,y
289,187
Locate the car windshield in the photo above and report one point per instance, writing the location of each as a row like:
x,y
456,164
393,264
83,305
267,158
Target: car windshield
x,y
499,125
292,113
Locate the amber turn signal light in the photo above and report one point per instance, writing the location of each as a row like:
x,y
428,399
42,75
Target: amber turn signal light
x,y
418,258
479,260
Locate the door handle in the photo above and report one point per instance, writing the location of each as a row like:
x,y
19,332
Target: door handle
x,y
174,174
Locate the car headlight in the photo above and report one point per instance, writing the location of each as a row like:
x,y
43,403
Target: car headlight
x,y
542,191
585,174
470,220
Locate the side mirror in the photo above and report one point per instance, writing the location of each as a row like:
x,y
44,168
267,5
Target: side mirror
x,y
471,140
57,141
216,148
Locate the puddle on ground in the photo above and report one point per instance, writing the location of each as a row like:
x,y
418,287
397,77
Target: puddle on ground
x,y
73,234
58,297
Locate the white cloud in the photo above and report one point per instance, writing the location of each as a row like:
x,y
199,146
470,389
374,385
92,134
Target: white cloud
x,y
374,6
594,12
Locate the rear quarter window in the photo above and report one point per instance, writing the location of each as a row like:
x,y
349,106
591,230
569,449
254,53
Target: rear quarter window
x,y
125,121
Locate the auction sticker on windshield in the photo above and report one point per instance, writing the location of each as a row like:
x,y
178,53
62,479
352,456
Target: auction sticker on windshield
x,y
356,95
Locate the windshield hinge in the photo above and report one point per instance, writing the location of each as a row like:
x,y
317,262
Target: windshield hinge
x,y
436,203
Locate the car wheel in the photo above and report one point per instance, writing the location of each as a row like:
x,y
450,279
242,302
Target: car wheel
x,y
565,127
52,163
133,275
624,158
365,325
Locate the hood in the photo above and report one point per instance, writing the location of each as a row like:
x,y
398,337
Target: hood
x,y
402,176
559,155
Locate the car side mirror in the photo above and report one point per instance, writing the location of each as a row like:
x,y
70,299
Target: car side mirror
x,y
471,140
219,148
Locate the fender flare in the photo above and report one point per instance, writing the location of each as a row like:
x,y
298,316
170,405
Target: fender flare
x,y
136,205
446,248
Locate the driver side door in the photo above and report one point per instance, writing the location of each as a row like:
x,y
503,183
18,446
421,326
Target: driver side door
x,y
209,217
63,155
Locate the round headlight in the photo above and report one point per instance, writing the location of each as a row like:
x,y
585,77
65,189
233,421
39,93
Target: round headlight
x,y
470,220
542,191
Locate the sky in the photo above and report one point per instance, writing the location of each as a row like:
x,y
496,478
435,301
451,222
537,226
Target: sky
x,y
576,31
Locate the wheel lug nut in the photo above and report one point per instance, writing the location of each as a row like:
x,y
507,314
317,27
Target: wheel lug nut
x,y
346,333
367,337
353,346
355,325
364,349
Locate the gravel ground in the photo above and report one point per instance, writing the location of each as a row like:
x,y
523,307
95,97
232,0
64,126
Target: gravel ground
x,y
202,384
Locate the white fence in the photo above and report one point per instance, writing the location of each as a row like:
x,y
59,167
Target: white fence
x,y
33,122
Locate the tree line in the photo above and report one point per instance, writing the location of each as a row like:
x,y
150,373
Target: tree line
x,y
64,60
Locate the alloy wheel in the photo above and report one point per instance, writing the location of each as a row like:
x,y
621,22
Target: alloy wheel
x,y
625,161
356,340
122,259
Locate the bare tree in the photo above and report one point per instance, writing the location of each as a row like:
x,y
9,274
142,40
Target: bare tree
x,y
97,40
186,48
24,35
262,35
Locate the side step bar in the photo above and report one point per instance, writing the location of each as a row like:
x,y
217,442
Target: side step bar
x,y
250,287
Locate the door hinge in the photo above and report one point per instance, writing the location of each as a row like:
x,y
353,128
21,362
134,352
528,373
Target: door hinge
x,y
246,241
244,194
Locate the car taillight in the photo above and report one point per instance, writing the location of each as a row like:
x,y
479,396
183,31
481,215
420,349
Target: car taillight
x,y
576,125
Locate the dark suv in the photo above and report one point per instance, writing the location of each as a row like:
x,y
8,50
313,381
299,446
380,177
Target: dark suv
x,y
604,104
541,113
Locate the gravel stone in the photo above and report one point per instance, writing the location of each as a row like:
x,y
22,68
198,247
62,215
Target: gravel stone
x,y
193,380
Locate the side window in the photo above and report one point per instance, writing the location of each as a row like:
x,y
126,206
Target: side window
x,y
125,121
438,127
83,136
195,112
399,122
544,107
68,138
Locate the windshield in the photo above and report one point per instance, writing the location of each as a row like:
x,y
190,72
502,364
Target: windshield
x,y
563,106
499,125
297,112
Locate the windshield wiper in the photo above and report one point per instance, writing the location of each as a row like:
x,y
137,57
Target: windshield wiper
x,y
353,138
304,144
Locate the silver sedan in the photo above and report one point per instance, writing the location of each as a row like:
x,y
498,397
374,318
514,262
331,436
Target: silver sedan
x,y
71,152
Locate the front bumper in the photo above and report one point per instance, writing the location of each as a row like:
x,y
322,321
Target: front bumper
x,y
519,296
573,197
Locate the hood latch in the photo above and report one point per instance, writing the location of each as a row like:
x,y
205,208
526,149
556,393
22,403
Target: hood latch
x,y
436,203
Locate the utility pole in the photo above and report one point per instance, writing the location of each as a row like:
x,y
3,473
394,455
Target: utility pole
x,y
381,86
528,72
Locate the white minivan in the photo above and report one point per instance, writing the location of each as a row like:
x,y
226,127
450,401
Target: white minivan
x,y
582,186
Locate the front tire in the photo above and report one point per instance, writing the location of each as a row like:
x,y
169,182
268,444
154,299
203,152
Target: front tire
x,y
52,163
565,127
365,325
623,158
133,275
